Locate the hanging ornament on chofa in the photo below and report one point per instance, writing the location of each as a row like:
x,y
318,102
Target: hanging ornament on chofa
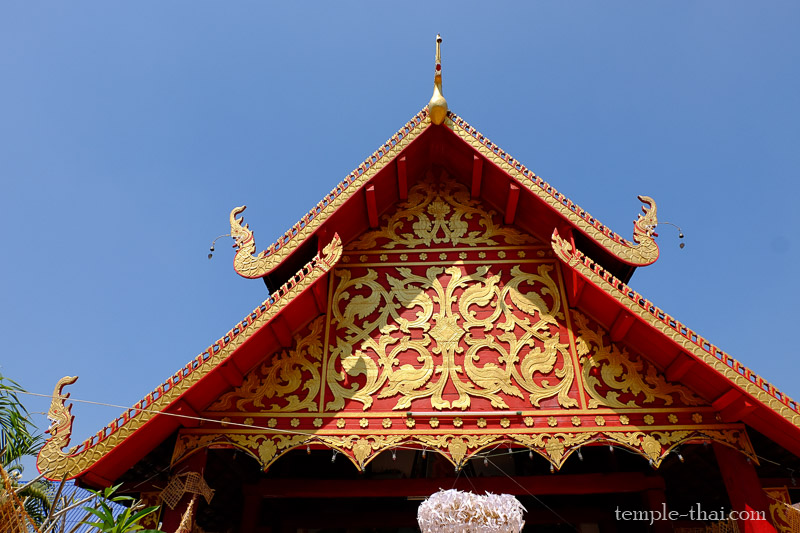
x,y
453,511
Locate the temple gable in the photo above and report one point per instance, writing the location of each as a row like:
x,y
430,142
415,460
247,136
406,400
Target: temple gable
x,y
448,329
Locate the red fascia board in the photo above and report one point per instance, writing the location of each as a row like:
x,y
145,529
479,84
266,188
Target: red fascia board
x,y
142,441
608,258
340,218
763,419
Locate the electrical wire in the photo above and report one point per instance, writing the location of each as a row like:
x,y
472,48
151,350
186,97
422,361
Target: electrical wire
x,y
314,435
517,483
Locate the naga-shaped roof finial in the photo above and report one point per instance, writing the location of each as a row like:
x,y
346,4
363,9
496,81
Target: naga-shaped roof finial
x,y
437,107
52,460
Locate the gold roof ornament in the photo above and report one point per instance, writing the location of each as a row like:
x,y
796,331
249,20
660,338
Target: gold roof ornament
x,y
437,107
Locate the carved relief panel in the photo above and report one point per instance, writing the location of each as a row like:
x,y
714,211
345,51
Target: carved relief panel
x,y
448,329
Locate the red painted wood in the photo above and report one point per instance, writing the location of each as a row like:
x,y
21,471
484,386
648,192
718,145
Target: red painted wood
x,y
96,480
726,399
188,413
511,203
402,179
477,174
744,488
372,206
621,325
577,289
320,291
679,367
281,331
231,373
250,511
738,410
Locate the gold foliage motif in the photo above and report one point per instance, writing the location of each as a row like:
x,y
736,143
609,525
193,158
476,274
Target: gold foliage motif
x,y
736,439
458,445
621,373
265,448
438,213
188,443
555,446
363,447
639,440
481,334
782,514
656,445
292,371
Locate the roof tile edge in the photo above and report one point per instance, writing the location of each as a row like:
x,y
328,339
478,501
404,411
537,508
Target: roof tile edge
x,y
642,252
733,370
255,266
57,464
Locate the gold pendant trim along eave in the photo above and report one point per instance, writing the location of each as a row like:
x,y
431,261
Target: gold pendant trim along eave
x,y
459,447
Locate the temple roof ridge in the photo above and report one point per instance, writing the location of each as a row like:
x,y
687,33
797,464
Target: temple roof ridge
x,y
99,458
642,250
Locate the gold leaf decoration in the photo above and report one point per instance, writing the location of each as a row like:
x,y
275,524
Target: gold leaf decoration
x,y
458,449
363,447
441,319
621,373
554,445
437,212
286,374
457,446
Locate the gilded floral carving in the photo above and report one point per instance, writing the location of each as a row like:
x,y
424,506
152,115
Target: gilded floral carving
x,y
485,334
555,446
621,374
363,447
439,212
283,376
457,446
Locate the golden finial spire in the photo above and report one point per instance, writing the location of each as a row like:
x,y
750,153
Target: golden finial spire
x,y
437,107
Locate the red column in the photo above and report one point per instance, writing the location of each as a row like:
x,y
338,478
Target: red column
x,y
252,501
171,518
744,488
656,501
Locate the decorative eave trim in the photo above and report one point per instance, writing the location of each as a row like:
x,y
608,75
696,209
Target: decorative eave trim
x,y
555,445
58,464
741,376
249,265
643,251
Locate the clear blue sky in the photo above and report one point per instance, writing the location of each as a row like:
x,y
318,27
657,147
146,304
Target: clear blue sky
x,y
129,130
